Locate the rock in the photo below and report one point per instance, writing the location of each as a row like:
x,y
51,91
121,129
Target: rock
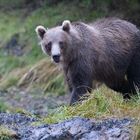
x,y
18,119
76,128
13,46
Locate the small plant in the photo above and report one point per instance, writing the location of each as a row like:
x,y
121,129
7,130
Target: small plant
x,y
7,134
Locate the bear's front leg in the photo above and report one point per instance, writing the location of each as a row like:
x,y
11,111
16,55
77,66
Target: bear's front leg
x,y
77,94
81,85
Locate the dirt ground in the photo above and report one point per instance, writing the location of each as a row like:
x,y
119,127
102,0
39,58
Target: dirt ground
x,y
34,102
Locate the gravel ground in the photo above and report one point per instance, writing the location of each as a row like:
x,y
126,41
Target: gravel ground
x,y
34,102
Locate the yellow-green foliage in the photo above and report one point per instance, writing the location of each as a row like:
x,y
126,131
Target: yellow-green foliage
x,y
102,103
136,130
7,134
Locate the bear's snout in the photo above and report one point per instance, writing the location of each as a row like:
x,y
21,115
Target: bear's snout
x,y
56,58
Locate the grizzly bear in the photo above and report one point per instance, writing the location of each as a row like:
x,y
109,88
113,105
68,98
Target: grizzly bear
x,y
107,50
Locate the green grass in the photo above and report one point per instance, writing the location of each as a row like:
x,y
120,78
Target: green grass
x,y
3,107
8,63
103,103
9,25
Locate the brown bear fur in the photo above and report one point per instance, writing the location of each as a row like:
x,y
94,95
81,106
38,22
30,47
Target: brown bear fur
x,y
107,50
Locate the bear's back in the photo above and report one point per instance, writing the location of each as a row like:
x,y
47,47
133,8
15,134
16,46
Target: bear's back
x,y
115,27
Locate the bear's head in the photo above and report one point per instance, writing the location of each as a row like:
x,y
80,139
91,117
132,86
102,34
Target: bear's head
x,y
56,41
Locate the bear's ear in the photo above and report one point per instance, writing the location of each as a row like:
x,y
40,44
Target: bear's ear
x,y
40,30
66,25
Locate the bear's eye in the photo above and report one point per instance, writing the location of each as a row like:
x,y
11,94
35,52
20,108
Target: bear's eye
x,y
48,46
62,44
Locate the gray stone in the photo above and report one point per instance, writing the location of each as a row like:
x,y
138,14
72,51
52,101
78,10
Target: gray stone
x,y
76,128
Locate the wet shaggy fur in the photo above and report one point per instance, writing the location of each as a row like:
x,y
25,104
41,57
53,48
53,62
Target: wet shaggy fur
x,y
109,54
107,51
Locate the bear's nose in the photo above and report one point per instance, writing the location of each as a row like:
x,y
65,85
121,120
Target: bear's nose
x,y
56,58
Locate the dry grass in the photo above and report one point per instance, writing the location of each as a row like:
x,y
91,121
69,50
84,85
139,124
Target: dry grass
x,y
12,78
137,132
39,73
44,75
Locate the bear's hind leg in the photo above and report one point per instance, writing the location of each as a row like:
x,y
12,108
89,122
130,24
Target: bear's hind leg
x,y
122,87
133,73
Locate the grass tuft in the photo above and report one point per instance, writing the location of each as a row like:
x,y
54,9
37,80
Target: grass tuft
x,y
7,134
44,75
102,103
